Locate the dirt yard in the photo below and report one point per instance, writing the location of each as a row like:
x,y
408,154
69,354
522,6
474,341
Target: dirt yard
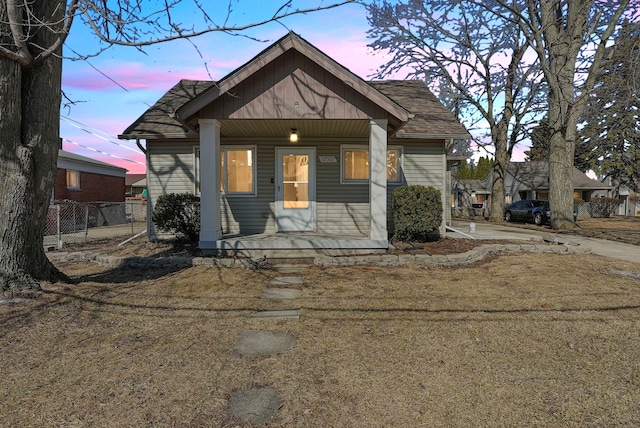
x,y
515,340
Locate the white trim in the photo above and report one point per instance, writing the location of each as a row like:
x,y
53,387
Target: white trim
x,y
365,148
210,225
223,151
378,180
287,220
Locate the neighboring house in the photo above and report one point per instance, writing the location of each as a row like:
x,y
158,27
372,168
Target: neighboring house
x,y
135,185
630,205
294,142
523,180
83,179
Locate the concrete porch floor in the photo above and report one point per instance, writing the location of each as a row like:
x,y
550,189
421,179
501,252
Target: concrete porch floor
x,y
292,245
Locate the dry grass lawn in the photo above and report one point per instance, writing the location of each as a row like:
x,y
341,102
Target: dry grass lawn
x,y
515,340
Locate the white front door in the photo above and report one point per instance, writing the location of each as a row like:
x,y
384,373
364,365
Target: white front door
x,y
295,189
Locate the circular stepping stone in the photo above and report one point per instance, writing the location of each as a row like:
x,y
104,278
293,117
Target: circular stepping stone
x,y
253,343
280,293
256,405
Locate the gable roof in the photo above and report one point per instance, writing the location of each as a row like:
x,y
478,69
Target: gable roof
x,y
419,113
131,179
291,41
535,175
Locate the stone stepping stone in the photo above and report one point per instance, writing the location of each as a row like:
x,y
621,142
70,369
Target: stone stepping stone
x,y
288,269
281,293
256,406
254,343
287,280
277,314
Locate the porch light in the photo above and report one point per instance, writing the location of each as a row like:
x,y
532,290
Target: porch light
x,y
293,137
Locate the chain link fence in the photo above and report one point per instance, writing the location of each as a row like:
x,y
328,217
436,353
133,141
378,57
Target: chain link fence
x,y
71,222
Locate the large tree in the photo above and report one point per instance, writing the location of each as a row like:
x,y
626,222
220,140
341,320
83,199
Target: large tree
x,y
609,140
32,36
570,39
481,61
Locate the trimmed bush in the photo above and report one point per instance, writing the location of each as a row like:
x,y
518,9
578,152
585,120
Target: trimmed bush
x,y
178,213
417,212
604,207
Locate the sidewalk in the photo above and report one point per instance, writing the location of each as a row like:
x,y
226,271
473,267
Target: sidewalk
x,y
601,247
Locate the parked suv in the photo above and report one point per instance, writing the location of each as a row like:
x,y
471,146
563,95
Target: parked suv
x,y
528,210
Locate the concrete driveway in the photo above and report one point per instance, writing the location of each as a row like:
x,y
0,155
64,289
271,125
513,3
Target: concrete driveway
x,y
485,230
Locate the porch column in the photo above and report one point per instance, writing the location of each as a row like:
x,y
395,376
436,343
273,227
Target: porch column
x,y
378,180
210,227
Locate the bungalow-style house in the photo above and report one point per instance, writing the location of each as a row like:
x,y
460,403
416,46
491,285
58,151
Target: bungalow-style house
x,y
82,179
293,151
523,180
135,185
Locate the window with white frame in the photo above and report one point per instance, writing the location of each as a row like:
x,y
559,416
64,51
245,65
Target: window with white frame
x,y
73,180
355,164
237,170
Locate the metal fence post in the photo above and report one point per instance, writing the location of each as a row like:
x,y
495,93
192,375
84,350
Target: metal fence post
x,y
58,234
86,223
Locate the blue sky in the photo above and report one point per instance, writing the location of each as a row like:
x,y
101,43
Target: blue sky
x,y
111,90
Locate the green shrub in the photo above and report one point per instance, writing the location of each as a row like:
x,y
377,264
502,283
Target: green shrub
x,y
178,213
417,212
603,207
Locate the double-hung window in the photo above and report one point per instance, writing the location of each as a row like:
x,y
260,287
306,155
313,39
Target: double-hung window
x,y
73,180
237,170
355,164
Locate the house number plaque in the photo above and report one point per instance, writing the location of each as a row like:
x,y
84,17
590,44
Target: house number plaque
x,y
328,159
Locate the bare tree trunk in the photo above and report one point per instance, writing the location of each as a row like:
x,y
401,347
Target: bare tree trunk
x,y
29,137
563,112
501,163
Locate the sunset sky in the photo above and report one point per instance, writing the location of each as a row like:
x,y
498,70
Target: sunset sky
x,y
107,93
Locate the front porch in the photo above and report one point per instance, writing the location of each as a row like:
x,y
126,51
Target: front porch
x,y
293,245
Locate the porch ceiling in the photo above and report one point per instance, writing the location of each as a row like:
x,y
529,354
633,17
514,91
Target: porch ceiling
x,y
305,128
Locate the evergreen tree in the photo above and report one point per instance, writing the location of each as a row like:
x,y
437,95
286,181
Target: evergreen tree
x,y
609,141
484,168
540,142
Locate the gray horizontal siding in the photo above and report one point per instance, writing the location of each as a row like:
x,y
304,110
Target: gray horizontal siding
x,y
341,209
423,164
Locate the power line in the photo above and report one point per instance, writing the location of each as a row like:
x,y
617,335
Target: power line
x,y
103,153
90,130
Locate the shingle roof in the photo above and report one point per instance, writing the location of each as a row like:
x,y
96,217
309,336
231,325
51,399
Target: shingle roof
x,y
159,121
430,117
130,179
535,175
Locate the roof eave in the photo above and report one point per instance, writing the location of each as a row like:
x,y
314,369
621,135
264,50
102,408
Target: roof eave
x,y
433,136
156,136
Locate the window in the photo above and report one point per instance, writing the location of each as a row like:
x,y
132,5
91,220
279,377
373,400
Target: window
x,y
237,170
73,180
355,164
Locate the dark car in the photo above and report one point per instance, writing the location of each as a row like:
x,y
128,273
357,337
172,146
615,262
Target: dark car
x,y
528,210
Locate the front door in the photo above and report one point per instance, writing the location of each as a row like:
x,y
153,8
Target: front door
x,y
295,189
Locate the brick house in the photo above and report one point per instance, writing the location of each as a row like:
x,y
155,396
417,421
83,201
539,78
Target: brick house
x,y
82,179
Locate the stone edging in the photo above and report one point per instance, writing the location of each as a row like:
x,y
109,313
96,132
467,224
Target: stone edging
x,y
468,257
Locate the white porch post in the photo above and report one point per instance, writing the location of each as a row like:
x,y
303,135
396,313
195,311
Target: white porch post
x,y
378,180
210,227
